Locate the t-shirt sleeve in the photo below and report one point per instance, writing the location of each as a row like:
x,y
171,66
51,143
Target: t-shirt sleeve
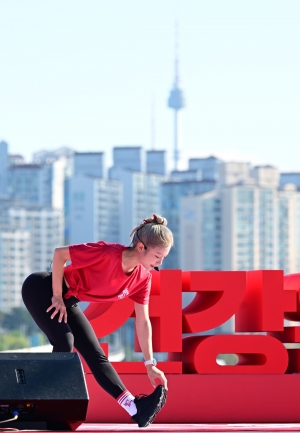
x,y
142,296
83,255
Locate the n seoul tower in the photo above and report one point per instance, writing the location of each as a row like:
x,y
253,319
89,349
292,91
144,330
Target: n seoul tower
x,y
176,102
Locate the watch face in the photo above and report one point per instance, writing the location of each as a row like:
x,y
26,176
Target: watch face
x,y
154,361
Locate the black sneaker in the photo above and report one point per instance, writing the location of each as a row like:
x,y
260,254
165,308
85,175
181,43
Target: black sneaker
x,y
148,406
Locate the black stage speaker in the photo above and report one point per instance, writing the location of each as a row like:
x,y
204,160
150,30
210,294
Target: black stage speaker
x,y
48,390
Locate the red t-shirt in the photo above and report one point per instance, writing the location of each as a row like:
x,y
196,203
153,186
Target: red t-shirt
x,y
96,275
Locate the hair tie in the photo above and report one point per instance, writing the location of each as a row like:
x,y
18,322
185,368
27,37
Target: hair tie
x,y
157,221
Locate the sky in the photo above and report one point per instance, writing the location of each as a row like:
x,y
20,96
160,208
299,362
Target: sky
x,y
94,74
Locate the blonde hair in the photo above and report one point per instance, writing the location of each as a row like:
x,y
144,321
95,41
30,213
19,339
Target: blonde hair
x,y
152,232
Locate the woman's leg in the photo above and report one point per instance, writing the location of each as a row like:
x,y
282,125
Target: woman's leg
x,y
37,294
88,346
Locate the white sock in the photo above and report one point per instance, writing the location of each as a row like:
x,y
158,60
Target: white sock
x,y
126,401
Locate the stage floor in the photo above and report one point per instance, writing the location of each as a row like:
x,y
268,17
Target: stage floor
x,y
90,428
161,427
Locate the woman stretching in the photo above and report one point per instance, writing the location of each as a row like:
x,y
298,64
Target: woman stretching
x,y
103,272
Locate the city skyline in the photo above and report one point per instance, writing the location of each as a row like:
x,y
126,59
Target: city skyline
x,y
107,163
85,75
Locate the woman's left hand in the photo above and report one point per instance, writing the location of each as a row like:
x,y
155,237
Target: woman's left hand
x,y
155,373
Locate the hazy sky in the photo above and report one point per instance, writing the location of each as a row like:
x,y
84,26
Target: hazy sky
x,y
85,73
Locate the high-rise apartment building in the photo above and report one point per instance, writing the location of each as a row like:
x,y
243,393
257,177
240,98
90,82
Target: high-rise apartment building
x,y
129,157
243,226
3,168
231,173
45,226
29,182
171,194
201,240
15,265
249,227
208,167
57,173
140,198
289,229
88,163
156,161
93,210
185,175
200,178
266,176
29,234
38,184
200,232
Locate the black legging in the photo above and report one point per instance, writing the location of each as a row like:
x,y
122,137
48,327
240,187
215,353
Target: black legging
x,y
77,332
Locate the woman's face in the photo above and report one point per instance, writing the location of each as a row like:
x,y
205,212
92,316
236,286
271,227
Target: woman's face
x,y
153,256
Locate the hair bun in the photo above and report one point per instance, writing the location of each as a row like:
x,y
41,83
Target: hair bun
x,y
156,219
160,220
152,232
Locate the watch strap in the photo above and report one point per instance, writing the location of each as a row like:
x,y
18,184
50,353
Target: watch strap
x,y
150,361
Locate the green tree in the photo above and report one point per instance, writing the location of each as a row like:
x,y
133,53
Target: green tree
x,y
13,340
20,319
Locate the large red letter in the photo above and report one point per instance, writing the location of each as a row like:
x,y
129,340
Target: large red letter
x,y
258,354
165,310
107,317
219,295
265,303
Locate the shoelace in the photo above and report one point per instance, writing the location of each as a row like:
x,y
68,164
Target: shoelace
x,y
160,404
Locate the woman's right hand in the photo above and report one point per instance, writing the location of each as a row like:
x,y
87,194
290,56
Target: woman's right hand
x,y
59,308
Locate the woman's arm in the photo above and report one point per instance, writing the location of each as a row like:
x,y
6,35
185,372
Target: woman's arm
x,y
144,333
60,257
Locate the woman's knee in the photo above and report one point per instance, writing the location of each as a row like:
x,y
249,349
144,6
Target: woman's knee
x,y
65,344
